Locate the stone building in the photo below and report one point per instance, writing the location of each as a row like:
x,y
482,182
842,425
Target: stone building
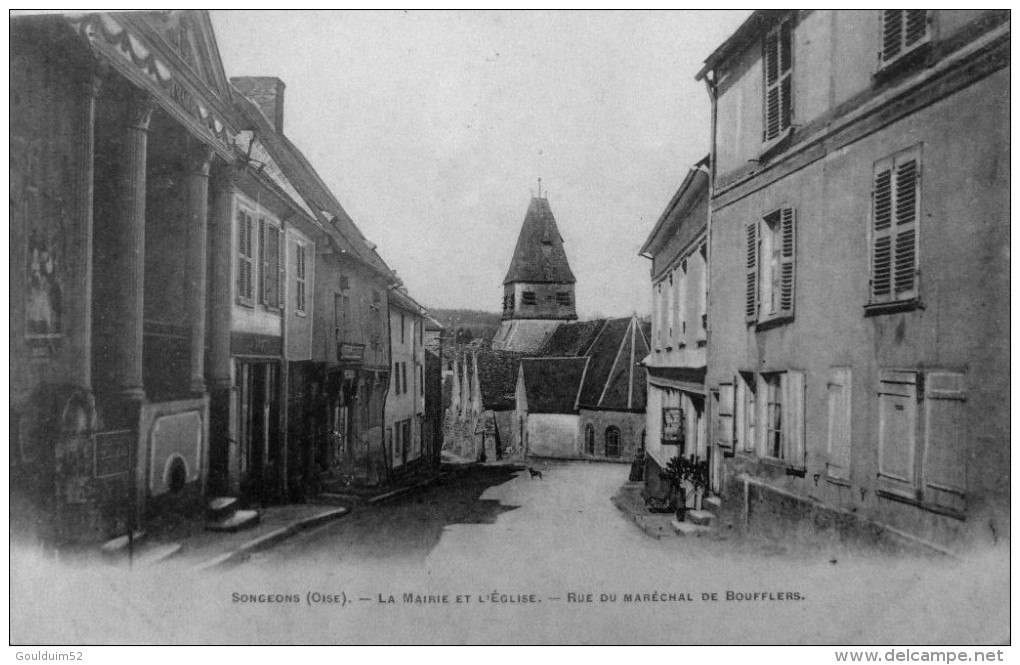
x,y
122,153
858,290
582,396
676,415
538,291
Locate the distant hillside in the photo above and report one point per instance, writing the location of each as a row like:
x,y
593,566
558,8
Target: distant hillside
x,y
481,324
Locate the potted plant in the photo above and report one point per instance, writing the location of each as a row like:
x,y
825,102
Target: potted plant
x,y
687,478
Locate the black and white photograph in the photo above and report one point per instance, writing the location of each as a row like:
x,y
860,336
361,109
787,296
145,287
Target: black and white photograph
x,y
511,327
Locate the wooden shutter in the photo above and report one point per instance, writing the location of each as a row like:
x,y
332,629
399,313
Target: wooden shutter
x,y
945,452
269,248
905,250
897,429
751,270
882,233
787,267
724,435
777,60
761,420
245,255
792,386
902,30
281,268
839,394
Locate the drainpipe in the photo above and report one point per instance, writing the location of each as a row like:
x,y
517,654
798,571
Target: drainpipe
x,y
387,463
711,86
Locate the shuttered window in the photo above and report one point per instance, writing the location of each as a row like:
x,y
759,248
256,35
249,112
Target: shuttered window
x,y
894,228
272,265
839,392
751,272
781,412
245,255
745,412
903,30
771,266
777,58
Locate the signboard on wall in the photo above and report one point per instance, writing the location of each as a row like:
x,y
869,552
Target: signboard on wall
x,y
673,426
250,344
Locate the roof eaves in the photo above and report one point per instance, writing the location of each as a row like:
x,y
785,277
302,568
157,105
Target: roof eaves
x,y
755,24
683,193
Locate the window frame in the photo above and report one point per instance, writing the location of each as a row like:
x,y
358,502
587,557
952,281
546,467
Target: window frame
x,y
782,76
274,302
589,439
617,436
911,298
773,236
904,51
246,272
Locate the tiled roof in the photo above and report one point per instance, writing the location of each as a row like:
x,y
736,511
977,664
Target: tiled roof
x,y
572,339
614,379
497,378
539,255
551,384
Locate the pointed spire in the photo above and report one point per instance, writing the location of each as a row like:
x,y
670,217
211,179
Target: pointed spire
x,y
539,256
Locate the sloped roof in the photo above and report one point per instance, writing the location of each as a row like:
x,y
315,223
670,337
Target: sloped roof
x,y
403,301
551,384
539,255
572,339
311,187
615,380
693,189
497,378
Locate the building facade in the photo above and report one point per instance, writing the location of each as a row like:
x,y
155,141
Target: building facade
x,y
676,414
405,401
858,289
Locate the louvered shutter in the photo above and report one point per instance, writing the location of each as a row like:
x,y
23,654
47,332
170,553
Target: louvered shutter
x,y
882,233
905,251
945,456
788,255
792,386
777,61
894,237
262,261
751,272
902,30
281,266
244,263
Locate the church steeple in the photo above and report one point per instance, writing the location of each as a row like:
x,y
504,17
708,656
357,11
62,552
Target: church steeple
x,y
539,284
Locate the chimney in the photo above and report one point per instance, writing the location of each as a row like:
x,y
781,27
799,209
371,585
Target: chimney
x,y
267,93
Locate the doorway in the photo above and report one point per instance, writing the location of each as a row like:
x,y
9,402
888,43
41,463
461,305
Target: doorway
x,y
258,429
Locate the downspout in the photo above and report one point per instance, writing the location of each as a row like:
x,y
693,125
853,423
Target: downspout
x,y
387,462
713,94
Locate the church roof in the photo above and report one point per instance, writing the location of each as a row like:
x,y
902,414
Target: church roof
x,y
539,255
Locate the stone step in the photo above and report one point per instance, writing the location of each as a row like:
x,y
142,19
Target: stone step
x,y
689,528
700,517
712,503
221,508
241,519
119,545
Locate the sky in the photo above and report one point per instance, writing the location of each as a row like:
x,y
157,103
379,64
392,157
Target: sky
x,y
432,129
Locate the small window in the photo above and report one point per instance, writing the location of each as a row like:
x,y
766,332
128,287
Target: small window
x,y
903,31
782,417
777,58
613,441
528,298
563,298
589,439
396,378
403,326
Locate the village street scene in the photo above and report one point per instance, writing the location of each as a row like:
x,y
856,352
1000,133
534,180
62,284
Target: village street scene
x,y
743,386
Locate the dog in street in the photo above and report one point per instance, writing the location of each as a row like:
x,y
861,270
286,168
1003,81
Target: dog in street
x,y
535,472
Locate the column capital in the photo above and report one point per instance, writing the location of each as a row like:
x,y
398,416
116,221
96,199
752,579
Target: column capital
x,y
138,110
199,159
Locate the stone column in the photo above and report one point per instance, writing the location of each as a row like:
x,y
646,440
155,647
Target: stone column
x,y
223,448
83,213
199,160
128,261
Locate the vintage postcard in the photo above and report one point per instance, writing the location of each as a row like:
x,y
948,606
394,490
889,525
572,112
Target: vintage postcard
x,y
510,327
